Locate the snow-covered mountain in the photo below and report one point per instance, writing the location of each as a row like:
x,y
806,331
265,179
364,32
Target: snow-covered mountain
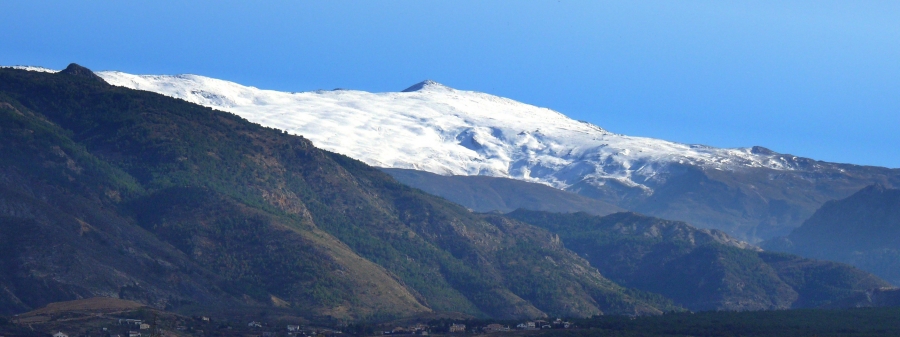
x,y
442,130
751,193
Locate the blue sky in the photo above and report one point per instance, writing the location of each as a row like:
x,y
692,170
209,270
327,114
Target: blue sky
x,y
818,79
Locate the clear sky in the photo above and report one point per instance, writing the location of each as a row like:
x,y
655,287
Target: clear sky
x,y
818,79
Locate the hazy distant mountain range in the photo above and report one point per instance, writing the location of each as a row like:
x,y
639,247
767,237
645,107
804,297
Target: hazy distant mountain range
x,y
862,229
114,192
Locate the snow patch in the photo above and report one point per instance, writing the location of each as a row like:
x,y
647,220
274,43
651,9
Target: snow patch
x,y
32,68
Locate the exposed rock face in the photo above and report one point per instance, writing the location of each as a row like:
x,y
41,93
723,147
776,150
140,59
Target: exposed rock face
x,y
77,70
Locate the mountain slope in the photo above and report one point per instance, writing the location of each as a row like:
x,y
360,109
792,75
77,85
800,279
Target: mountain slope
x,y
488,194
68,232
698,268
751,193
252,217
60,240
862,230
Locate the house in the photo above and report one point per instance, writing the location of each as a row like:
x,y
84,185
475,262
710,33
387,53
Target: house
x,y
60,334
495,328
254,324
144,326
526,326
134,334
293,328
457,327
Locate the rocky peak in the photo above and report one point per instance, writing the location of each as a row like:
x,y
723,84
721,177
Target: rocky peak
x,y
76,70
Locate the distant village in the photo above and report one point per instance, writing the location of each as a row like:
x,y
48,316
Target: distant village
x,y
204,326
459,328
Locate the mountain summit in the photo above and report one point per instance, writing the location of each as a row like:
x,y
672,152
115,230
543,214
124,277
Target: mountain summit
x,y
427,85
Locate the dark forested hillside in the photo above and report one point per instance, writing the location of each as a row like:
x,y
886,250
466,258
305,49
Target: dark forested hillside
x,y
698,268
107,191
